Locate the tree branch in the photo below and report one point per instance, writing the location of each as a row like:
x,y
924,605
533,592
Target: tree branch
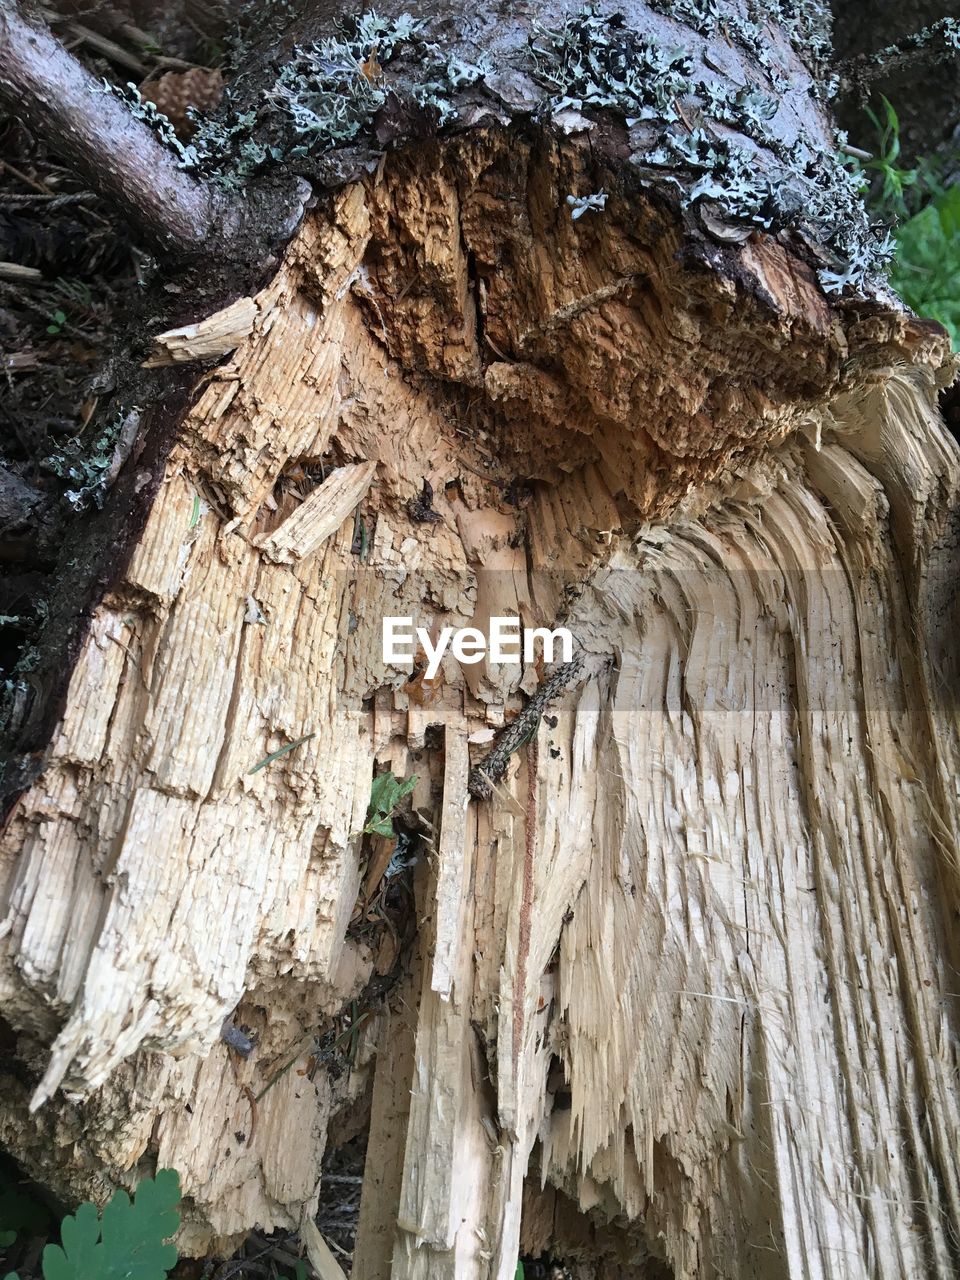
x,y
65,106
939,41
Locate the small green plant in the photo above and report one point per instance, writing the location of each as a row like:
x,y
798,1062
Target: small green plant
x,y
58,319
925,268
926,271
126,1242
893,181
385,796
76,290
893,191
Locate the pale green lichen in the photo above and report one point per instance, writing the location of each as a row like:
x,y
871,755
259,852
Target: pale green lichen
x,y
809,192
942,37
226,148
152,116
460,73
593,203
805,22
596,62
328,94
15,696
86,464
330,91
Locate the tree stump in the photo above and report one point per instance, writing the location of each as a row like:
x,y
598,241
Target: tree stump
x,y
677,999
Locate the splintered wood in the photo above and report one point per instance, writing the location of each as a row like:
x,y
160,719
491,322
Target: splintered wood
x,y
682,991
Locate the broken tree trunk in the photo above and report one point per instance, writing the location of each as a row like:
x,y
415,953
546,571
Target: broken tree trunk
x,y
678,999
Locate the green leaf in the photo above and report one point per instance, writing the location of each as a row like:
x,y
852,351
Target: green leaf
x,y
926,272
888,132
7,1238
80,1258
386,792
133,1234
519,1274
282,751
128,1244
380,827
383,793
406,787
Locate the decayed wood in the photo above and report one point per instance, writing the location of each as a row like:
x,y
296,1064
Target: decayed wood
x,y
682,986
739,110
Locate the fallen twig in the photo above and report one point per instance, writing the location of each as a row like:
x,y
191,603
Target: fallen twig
x,y
494,764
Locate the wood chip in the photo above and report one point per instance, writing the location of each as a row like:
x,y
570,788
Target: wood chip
x,y
319,515
20,274
214,336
